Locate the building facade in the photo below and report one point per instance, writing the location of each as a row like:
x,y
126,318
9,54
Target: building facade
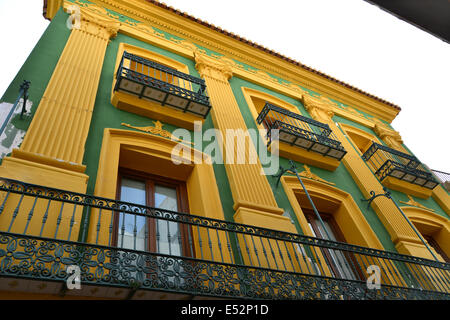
x,y
158,156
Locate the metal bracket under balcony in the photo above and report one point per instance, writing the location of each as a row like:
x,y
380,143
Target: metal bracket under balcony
x,y
301,131
386,161
152,81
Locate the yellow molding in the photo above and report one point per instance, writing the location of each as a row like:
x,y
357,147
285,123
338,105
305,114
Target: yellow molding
x,y
364,137
442,198
153,154
52,8
431,224
351,221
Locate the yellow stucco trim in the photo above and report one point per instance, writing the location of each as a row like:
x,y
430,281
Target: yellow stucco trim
x,y
147,108
350,219
285,150
365,138
442,197
431,224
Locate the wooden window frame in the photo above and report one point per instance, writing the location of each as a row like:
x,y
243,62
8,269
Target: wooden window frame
x,y
150,181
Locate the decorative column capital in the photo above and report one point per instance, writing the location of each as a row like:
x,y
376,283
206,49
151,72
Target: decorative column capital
x,y
391,137
213,68
319,108
98,25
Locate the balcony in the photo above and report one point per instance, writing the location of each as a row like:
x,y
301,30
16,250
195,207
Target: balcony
x,y
309,141
151,81
400,171
41,236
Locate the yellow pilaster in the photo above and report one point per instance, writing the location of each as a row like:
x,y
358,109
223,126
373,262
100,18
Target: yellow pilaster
x,y
404,238
53,148
254,201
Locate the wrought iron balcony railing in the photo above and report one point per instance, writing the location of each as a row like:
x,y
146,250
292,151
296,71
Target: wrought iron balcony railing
x,y
385,161
191,255
152,81
301,131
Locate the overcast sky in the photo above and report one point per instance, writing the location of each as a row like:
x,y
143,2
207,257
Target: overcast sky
x,y
350,40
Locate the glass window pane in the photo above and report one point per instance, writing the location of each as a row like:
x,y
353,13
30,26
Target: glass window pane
x,y
168,232
132,228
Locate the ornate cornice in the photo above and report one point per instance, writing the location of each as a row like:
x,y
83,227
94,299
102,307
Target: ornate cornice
x,y
249,62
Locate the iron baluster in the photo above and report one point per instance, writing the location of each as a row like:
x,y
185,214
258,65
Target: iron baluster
x,y
44,218
273,254
219,245
169,237
264,251
4,202
123,228
58,220
210,244
255,250
289,256
30,215
281,255
72,221
16,212
248,250
200,242
229,248
111,226
98,224
188,227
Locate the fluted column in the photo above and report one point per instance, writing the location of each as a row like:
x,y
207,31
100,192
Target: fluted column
x,y
254,201
61,123
404,238
54,143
